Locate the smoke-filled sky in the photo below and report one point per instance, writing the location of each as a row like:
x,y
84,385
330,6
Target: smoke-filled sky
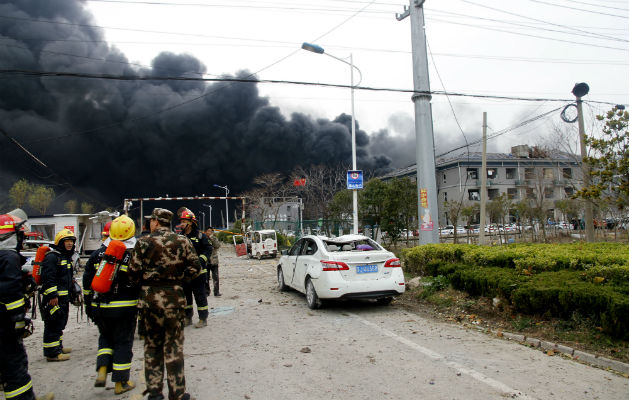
x,y
114,139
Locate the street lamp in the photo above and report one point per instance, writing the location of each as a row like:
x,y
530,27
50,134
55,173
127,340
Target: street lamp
x,y
203,220
227,215
209,214
320,50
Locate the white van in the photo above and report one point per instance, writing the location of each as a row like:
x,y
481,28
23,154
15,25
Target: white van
x,y
263,243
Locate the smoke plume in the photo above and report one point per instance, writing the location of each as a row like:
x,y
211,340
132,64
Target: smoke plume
x,y
116,139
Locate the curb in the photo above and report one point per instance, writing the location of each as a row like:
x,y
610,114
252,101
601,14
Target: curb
x,y
577,355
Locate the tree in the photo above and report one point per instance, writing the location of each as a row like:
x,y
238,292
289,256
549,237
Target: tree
x,y
71,206
608,161
469,212
453,209
40,198
87,208
498,209
19,192
371,203
340,207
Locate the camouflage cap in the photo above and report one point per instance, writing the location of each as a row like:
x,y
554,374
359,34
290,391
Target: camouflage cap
x,y
162,215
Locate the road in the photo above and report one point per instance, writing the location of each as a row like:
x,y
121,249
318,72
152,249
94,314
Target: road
x,y
264,344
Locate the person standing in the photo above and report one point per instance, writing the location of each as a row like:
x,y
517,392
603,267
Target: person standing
x,y
196,287
115,312
14,377
214,261
56,284
160,263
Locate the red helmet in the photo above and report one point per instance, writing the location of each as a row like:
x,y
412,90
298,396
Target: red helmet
x,y
10,224
106,229
187,214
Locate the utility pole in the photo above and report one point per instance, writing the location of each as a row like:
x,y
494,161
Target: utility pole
x,y
425,153
484,181
580,90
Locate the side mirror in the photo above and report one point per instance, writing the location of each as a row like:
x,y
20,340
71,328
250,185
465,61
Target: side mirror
x,y
284,252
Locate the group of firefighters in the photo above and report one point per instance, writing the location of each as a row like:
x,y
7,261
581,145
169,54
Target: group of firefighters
x,y
149,281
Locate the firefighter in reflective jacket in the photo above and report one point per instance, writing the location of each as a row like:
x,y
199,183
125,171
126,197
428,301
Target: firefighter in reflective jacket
x,y
56,284
114,312
14,378
198,285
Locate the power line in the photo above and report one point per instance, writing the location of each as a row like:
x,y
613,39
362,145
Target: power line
x,y
525,17
511,24
581,9
534,36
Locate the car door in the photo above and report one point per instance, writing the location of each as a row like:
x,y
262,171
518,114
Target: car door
x,y
291,260
308,257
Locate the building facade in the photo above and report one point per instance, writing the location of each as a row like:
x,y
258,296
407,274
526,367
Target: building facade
x,y
524,173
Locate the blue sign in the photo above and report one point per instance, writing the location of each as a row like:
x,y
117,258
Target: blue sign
x,y
355,179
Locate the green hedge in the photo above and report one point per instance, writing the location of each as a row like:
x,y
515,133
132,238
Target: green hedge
x,y
591,279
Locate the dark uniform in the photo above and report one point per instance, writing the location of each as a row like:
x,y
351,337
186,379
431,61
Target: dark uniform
x,y
114,313
160,263
197,286
214,264
13,362
56,282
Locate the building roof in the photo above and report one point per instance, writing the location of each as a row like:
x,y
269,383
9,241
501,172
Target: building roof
x,y
474,157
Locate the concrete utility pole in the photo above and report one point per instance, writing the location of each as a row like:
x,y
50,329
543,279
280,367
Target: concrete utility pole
x,y
580,90
425,154
484,181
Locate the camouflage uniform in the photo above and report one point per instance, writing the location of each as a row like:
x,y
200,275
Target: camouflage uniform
x,y
160,263
214,264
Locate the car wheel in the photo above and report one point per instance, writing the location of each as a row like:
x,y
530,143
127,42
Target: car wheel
x,y
281,286
312,299
384,301
259,256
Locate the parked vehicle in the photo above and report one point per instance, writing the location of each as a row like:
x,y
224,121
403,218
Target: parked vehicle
x,y
346,267
29,249
263,243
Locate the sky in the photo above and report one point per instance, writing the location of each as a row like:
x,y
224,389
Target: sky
x,y
106,140
521,48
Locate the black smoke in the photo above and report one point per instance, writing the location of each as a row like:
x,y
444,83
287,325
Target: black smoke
x,y
117,139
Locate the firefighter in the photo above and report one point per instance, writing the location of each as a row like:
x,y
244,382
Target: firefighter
x,y
160,263
14,378
56,284
115,312
197,286
105,233
214,261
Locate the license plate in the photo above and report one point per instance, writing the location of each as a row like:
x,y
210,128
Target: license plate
x,y
365,269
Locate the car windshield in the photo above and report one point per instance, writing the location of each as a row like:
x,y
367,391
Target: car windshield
x,y
352,245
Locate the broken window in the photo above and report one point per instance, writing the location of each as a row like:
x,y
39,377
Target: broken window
x,y
530,173
473,194
567,173
491,173
510,173
493,194
512,193
472,173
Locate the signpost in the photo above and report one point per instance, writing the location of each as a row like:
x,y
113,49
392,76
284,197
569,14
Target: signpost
x,y
355,179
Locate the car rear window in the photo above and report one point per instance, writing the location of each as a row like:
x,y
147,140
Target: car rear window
x,y
354,245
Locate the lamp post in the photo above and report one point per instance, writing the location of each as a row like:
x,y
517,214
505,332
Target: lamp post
x,y
203,220
320,50
227,214
209,214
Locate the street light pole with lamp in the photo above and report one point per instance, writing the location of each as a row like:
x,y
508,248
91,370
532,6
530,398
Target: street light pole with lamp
x,y
209,214
227,214
320,50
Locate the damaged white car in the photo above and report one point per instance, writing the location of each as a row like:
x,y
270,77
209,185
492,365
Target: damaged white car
x,y
347,267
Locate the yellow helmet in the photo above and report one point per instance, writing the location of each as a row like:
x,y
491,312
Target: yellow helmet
x,y
64,234
122,228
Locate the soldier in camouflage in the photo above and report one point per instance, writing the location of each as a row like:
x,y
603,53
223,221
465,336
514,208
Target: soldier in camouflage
x,y
214,260
161,262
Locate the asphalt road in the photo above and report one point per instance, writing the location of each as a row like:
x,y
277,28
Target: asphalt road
x,y
264,344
